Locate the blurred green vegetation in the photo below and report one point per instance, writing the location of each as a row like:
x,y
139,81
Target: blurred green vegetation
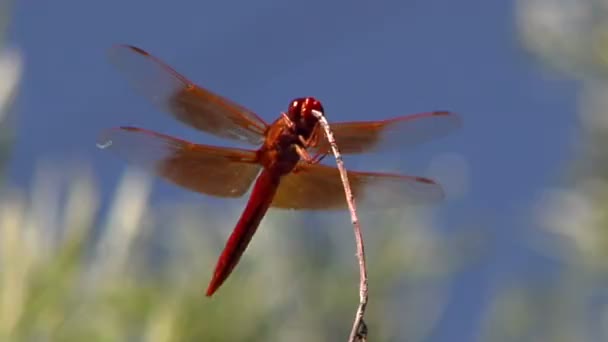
x,y
10,70
144,277
569,37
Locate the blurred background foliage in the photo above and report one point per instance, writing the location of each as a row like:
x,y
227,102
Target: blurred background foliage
x,y
139,272
10,68
569,39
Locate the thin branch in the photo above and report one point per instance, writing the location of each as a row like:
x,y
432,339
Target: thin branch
x,y
359,329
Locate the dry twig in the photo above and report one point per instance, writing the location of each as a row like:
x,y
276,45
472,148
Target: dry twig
x,y
359,329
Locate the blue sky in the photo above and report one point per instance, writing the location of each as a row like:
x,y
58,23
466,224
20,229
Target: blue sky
x,y
364,60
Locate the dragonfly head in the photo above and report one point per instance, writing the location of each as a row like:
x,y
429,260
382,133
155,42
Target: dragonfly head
x,y
300,111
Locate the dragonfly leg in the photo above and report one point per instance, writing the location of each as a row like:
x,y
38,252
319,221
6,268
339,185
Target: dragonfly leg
x,y
313,139
304,154
318,157
288,121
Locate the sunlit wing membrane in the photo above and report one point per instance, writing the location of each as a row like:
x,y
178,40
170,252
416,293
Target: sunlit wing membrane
x,y
189,103
396,133
215,171
319,187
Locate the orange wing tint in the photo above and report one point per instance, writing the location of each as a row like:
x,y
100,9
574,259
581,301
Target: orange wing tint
x,y
397,133
189,103
216,171
319,187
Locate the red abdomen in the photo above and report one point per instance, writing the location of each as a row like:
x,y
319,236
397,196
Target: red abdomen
x,y
261,197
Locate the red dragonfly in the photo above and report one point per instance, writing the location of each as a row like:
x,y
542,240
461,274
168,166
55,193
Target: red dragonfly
x,y
290,178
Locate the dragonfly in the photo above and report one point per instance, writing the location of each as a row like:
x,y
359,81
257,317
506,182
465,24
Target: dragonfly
x,y
285,169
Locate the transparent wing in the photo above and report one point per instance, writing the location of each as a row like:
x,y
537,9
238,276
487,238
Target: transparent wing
x,y
189,103
319,187
397,133
215,171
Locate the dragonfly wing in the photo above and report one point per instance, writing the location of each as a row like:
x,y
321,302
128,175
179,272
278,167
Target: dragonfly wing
x,y
210,170
189,103
397,133
319,187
